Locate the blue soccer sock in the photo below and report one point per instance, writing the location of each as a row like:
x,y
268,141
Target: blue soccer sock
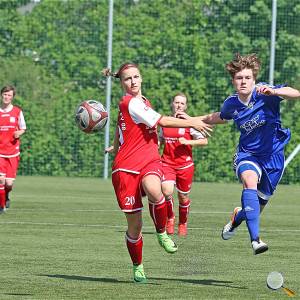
x,y
239,218
251,209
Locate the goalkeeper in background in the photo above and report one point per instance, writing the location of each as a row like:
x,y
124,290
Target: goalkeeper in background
x,y
259,159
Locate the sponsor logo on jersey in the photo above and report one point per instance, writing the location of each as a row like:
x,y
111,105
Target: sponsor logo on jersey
x,y
252,124
250,105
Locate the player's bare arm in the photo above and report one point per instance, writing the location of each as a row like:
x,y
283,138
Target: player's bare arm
x,y
212,119
193,122
198,142
112,149
284,92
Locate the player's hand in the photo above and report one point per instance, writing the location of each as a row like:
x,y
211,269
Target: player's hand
x,y
109,149
201,126
17,134
265,90
182,115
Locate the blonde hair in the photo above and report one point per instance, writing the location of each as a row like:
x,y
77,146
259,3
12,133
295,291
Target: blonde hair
x,y
239,63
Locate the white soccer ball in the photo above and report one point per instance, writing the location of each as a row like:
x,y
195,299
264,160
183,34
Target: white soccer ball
x,y
91,116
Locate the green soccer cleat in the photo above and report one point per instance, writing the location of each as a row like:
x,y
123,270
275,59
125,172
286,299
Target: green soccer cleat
x,y
166,242
139,274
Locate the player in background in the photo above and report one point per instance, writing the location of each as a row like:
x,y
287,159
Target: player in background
x,y
178,165
259,159
137,168
12,126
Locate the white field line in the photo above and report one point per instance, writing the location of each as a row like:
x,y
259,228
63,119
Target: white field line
x,y
107,210
124,227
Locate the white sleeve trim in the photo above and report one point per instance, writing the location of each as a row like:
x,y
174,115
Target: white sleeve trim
x,y
141,113
22,124
197,135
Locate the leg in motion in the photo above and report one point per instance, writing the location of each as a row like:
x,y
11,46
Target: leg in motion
x,y
184,207
134,243
158,211
168,189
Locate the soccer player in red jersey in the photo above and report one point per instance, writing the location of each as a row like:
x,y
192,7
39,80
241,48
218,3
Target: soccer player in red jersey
x,y
12,126
178,165
137,168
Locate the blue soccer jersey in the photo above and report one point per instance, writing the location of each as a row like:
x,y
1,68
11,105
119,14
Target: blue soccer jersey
x,y
259,122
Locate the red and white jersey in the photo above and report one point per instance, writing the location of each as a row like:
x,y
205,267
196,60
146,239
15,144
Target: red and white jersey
x,y
137,131
176,154
11,119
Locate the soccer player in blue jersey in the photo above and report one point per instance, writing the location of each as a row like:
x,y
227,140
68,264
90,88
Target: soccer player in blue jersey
x,y
259,160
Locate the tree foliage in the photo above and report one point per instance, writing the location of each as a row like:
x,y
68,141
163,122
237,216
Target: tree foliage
x,y
55,52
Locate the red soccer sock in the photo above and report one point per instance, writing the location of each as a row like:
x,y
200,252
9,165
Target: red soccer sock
x,y
184,211
135,249
170,207
2,196
158,212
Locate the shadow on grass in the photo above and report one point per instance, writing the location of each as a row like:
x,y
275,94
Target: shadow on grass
x,y
212,282
83,278
87,278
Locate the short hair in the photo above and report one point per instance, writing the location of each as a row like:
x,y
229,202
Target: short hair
x,y
239,63
8,88
107,72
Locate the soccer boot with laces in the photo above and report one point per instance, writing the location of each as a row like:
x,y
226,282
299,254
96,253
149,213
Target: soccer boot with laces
x,y
259,246
229,229
139,274
166,242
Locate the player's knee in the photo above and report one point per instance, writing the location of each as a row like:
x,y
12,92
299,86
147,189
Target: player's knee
x,y
167,190
249,180
183,197
168,197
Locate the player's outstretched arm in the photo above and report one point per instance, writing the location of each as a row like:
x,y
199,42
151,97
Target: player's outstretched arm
x,y
194,122
213,119
284,92
198,142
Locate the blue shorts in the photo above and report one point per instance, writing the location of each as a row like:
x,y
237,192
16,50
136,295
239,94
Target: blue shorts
x,y
268,168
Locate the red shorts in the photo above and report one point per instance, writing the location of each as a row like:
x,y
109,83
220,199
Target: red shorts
x,y
9,166
183,178
128,188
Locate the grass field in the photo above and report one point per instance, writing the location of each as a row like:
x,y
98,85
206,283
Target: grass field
x,y
63,238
